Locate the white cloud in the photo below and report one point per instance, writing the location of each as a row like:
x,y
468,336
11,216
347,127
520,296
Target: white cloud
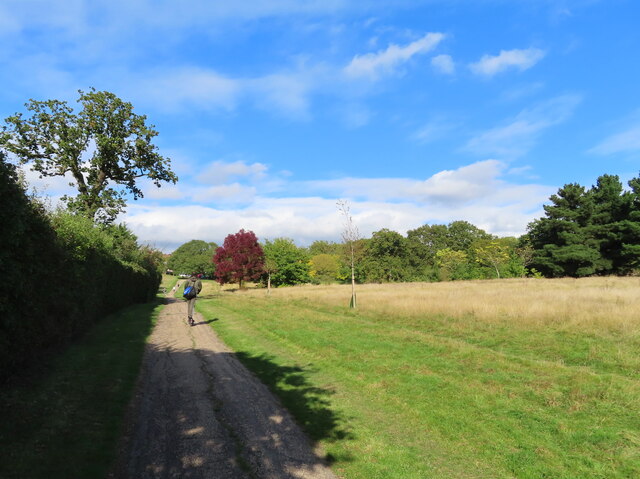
x,y
624,142
479,193
221,172
444,64
287,94
165,192
49,188
465,184
219,194
468,183
370,189
234,193
520,59
304,219
372,65
519,135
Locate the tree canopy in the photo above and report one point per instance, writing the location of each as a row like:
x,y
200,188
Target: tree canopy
x,y
386,257
290,264
105,148
589,231
239,259
195,256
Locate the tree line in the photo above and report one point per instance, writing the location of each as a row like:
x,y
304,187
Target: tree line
x,y
429,253
584,232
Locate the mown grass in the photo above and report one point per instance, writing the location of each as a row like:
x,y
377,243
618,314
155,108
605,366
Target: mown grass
x,y
65,420
456,395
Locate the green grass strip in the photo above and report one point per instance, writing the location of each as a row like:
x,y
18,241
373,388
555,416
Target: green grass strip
x,y
65,421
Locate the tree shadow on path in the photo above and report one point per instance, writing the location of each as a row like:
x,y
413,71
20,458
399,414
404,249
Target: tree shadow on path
x,y
309,404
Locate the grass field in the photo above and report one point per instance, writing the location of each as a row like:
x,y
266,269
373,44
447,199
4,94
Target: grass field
x,y
488,379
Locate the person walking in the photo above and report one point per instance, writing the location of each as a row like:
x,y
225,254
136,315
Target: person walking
x,y
196,286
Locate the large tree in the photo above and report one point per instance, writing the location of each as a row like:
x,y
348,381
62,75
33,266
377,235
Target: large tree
x,y
289,264
239,259
425,242
589,231
195,256
105,149
386,257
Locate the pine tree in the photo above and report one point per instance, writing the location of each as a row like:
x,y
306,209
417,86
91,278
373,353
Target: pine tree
x,y
586,232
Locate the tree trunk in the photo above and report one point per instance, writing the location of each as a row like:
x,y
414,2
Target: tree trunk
x,y
352,304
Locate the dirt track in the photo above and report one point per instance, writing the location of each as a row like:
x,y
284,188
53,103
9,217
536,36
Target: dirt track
x,y
199,413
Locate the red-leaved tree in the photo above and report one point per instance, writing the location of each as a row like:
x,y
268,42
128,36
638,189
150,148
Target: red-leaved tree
x,y
239,259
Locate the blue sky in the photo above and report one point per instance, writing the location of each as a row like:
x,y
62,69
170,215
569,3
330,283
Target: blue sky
x,y
415,111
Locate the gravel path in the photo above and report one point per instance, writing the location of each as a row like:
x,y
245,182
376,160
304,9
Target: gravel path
x,y
199,413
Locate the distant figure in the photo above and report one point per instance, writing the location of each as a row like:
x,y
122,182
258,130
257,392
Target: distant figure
x,y
196,284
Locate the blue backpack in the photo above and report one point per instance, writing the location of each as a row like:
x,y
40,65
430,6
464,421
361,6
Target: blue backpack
x,y
190,292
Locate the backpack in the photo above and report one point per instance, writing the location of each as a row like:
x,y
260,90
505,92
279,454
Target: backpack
x,y
190,292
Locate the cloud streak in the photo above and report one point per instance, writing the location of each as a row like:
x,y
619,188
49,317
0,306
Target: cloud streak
x,y
518,135
374,65
221,172
490,65
285,93
626,141
444,64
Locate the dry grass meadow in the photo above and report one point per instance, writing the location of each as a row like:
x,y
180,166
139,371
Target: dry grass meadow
x,y
599,304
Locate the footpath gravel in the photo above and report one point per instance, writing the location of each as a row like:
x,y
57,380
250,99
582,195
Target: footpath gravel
x,y
199,413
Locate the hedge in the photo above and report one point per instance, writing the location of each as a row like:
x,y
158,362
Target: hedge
x,y
61,272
